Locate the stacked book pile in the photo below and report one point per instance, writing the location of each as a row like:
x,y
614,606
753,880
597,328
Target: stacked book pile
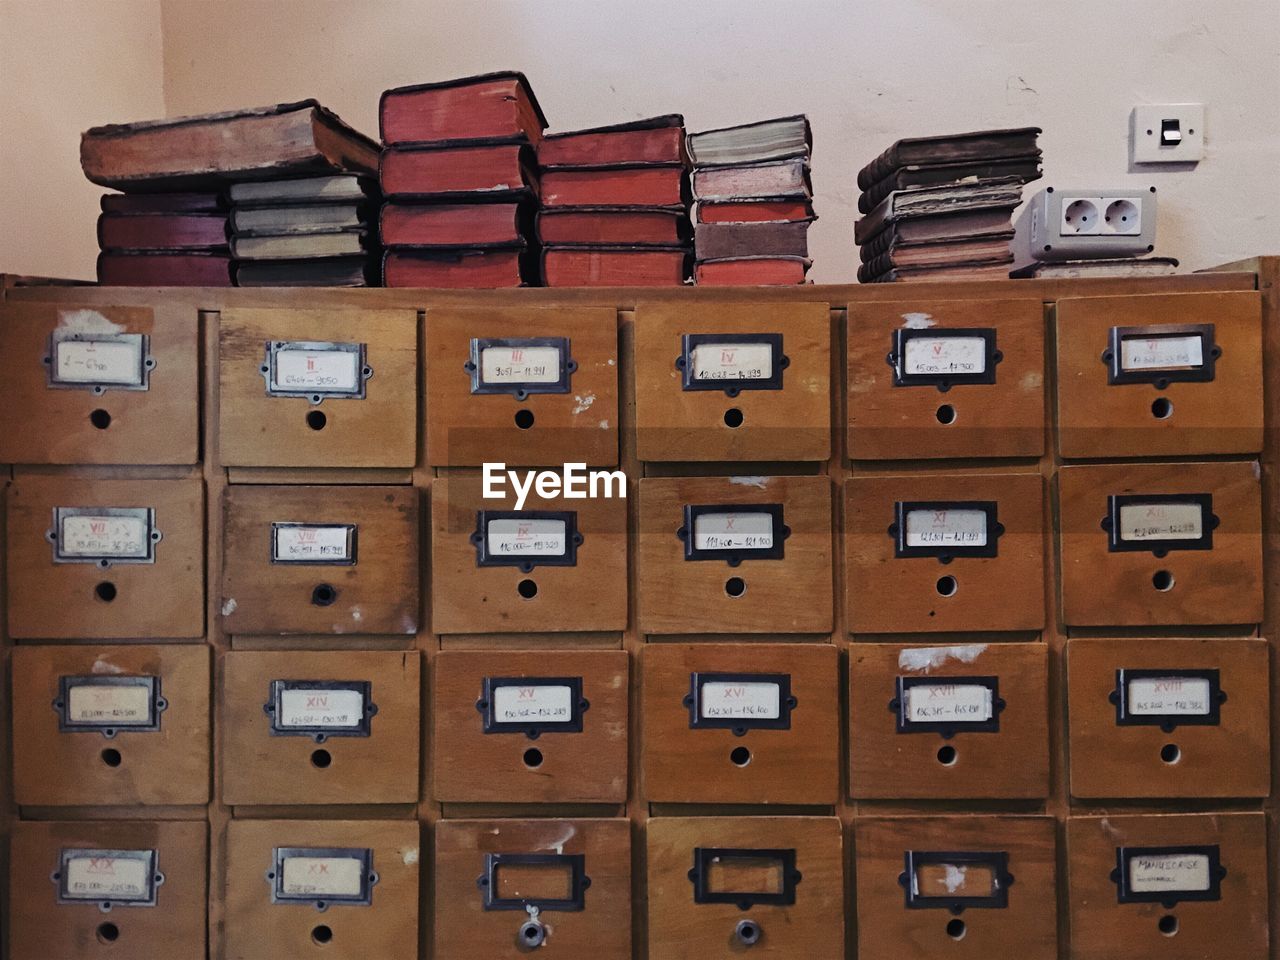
x,y
753,202
941,208
615,205
460,180
163,238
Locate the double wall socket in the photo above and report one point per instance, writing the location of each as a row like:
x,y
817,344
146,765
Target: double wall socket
x,y
1086,224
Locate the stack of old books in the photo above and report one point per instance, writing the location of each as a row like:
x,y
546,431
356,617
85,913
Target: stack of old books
x,y
170,226
941,208
460,181
615,205
753,202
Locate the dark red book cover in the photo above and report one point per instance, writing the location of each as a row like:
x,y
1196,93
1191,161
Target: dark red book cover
x,y
612,225
492,170
162,202
614,267
751,271
164,270
490,106
753,211
615,187
477,269
455,224
162,231
655,140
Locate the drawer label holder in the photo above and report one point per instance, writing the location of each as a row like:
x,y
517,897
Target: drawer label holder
x,y
315,370
734,532
574,863
532,705
955,866
322,877
320,709
520,366
952,705
1159,522
526,538
731,362
707,858
1168,875
109,705
99,362
945,529
314,544
1162,354
1167,698
943,357
739,701
104,536
109,878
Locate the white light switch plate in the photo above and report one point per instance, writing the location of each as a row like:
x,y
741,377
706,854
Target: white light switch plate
x,y
1147,122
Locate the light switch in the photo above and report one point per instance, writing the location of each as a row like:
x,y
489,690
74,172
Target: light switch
x,y
1167,133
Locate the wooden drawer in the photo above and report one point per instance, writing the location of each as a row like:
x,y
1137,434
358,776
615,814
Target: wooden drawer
x,y
526,386
733,381
107,726
321,560
959,722
741,723
964,378
506,887
105,559
701,570
99,384
317,388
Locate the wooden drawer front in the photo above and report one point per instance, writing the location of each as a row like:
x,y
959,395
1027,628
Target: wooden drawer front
x,y
293,927
525,386
688,589
983,886
964,378
108,726
506,887
92,384
929,577
1213,574
531,727
320,560
153,586
959,722
361,364
582,588
331,727
773,410
1169,717
53,866
1156,913
1160,376
741,723
716,883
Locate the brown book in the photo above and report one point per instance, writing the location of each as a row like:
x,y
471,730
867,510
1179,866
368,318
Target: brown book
x,y
318,272
751,271
716,241
490,169
1026,169
1115,267
483,269
753,211
878,271
779,180
492,106
162,202
162,231
918,203
951,226
614,267
950,148
888,240
164,269
655,140
187,153
626,226
455,224
650,186
300,246
943,253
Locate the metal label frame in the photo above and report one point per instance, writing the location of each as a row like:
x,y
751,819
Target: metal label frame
x,y
947,728
996,860
533,729
1168,898
352,532
158,704
1111,523
1161,378
579,881
739,725
897,356
147,363
1166,721
572,539
520,389
945,553
154,877
732,387
703,857
734,555
275,347
368,879
319,734
146,514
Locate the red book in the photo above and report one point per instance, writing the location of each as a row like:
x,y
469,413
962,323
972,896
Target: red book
x,y
454,224
457,268
613,225
753,211
162,202
655,140
162,231
164,270
615,187
614,267
751,271
495,169
491,106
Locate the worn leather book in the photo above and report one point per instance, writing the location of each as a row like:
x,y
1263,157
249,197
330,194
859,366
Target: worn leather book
x,y
653,140
951,226
940,253
211,202
191,269
339,188
751,271
984,270
455,224
753,211
648,186
921,202
776,139
459,268
300,218
479,171
891,239
191,153
637,226
951,148
1026,169
779,180
489,106
779,238
162,231
325,272
348,243
1116,267
614,266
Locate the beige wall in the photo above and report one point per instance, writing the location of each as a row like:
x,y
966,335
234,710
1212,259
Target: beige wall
x,y
66,65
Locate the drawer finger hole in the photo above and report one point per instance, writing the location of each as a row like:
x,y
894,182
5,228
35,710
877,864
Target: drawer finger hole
x,y
1168,925
100,419
946,414
1170,753
947,586
321,934
105,591
524,419
733,418
108,933
740,756
533,758
948,755
111,757
528,589
735,586
956,929
1163,581
321,759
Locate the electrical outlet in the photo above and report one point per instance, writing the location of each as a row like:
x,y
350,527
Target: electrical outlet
x,y
1167,133
1086,224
